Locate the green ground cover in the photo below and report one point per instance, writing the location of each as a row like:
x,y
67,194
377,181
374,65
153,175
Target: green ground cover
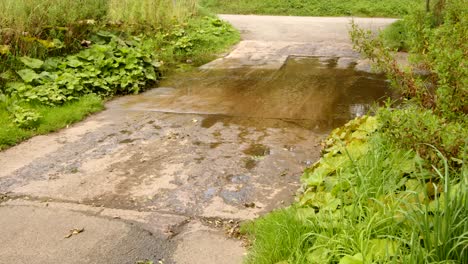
x,y
389,188
365,8
53,63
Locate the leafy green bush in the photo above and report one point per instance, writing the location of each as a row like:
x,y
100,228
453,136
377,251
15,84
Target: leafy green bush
x,y
196,42
427,134
368,201
190,37
118,67
395,36
437,41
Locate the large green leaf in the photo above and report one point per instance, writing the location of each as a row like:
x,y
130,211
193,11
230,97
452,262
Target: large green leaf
x,y
28,75
51,64
4,49
31,63
356,259
381,248
319,256
74,62
322,200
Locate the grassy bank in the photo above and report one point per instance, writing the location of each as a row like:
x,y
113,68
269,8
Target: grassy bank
x,y
364,8
52,118
52,65
390,188
368,201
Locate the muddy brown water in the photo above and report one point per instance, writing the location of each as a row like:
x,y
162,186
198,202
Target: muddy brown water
x,y
312,92
177,147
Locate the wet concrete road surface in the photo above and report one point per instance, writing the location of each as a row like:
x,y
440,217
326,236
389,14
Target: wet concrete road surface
x,y
168,174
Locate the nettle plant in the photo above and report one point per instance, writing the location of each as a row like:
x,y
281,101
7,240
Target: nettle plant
x,y
115,66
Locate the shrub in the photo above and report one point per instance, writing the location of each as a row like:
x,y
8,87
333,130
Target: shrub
x,y
395,36
426,132
441,51
117,67
368,201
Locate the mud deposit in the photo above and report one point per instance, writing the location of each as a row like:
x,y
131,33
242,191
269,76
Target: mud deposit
x,y
317,93
204,144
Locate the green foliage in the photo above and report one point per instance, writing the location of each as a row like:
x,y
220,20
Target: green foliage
x,y
404,80
438,40
41,28
24,117
117,67
277,236
51,118
196,41
366,8
373,203
190,37
110,65
32,16
438,43
395,36
422,130
150,14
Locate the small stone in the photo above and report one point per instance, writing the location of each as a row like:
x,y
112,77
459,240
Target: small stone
x,y
249,205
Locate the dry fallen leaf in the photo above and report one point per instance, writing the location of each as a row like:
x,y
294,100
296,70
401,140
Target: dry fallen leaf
x,y
74,231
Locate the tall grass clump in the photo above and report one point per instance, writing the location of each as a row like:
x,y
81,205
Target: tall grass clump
x,y
155,14
373,203
32,16
440,226
44,28
366,8
24,20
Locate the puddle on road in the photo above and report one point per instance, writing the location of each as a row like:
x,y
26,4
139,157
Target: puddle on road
x,y
310,92
257,150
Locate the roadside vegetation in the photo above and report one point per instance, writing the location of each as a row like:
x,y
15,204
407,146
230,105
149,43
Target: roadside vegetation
x,y
61,59
362,8
389,188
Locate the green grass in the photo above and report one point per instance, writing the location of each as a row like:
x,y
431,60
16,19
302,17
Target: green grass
x,y
52,119
28,27
364,8
395,36
389,210
32,16
41,29
154,13
204,43
277,236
